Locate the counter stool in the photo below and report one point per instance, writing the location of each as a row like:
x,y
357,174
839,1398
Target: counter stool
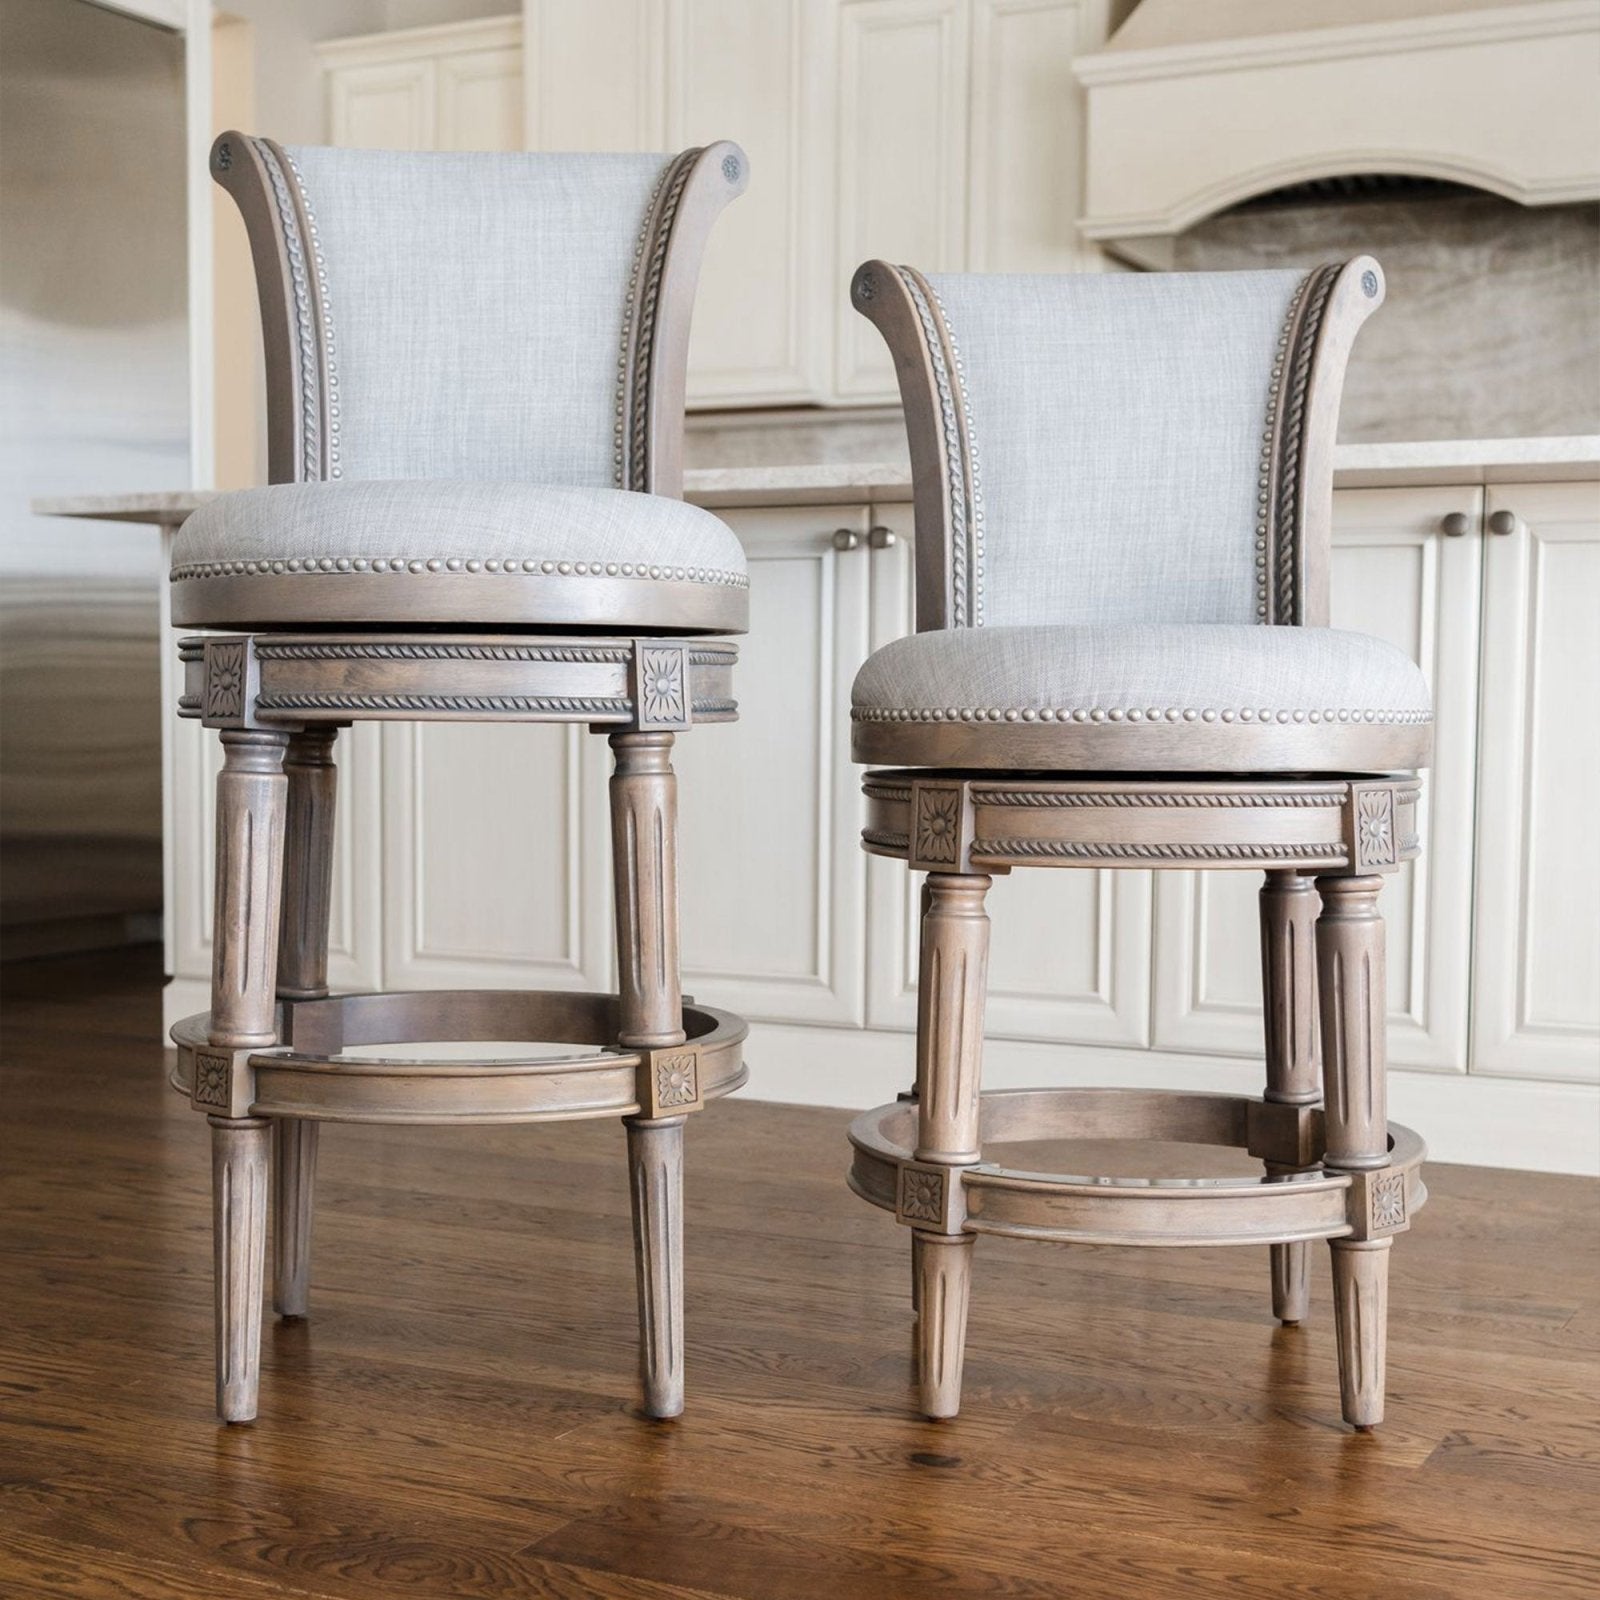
x,y
475,375
1123,491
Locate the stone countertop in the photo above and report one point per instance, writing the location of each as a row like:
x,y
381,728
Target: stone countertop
x,y
1421,463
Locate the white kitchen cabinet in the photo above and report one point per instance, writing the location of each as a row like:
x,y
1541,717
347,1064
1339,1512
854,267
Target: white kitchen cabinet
x,y
456,87
772,881
1396,574
1536,948
496,857
902,128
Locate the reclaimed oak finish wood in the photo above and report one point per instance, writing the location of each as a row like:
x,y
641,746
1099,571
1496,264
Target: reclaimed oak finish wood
x,y
460,1417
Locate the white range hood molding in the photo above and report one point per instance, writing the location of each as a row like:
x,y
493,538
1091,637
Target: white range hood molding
x,y
1503,98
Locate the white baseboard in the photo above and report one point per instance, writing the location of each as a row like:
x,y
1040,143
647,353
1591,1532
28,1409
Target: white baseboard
x,y
1479,1121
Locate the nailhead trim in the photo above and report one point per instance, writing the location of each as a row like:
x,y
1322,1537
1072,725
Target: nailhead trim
x,y
321,266
962,577
455,565
1136,714
1269,453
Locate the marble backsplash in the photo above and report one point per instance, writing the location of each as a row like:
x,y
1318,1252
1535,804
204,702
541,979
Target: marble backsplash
x,y
1491,329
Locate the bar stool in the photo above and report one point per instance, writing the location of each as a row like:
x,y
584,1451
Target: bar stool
x,y
1123,490
475,375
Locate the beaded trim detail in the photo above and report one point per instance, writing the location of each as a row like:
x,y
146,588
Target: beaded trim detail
x,y
966,502
330,355
1137,714
1278,482
630,432
455,565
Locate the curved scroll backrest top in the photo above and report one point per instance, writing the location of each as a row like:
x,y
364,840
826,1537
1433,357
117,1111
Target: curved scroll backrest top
x,y
490,316
1119,447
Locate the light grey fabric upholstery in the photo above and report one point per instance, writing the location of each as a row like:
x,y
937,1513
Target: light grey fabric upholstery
x,y
1119,425
1141,672
476,307
448,526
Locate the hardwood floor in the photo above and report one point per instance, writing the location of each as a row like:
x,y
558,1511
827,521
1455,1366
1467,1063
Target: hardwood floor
x,y
458,1417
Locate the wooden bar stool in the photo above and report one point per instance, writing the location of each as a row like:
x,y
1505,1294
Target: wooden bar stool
x,y
475,373
1123,494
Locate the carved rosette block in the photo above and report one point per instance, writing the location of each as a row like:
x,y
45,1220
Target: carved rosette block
x,y
239,1235
943,1267
941,827
929,1196
952,990
294,1172
251,797
655,1169
224,1082
230,683
1378,1205
1373,828
669,1081
661,687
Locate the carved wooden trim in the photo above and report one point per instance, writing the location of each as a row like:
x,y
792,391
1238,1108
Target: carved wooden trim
x,y
929,1196
669,1081
1373,834
941,827
661,687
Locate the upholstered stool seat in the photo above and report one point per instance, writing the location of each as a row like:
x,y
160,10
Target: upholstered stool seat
x,y
456,551
1199,697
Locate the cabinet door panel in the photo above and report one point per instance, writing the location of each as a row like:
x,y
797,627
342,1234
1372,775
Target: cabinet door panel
x,y
772,880
1537,944
1397,576
1027,134
902,161
355,957
741,71
386,106
480,100
495,850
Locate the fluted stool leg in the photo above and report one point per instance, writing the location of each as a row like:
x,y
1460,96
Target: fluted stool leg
x,y
312,782
249,873
1350,966
950,1004
1288,990
644,841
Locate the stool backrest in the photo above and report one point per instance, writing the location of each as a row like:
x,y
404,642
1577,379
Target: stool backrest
x,y
493,316
1118,447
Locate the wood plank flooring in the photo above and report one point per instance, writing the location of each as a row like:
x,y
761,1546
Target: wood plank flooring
x,y
457,1418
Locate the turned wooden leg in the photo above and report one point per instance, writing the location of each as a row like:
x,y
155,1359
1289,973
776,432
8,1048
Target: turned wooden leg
x,y
950,1001
644,842
1289,907
312,780
1350,967
239,1244
249,874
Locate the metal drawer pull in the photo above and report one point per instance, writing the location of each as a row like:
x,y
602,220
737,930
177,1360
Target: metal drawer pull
x,y
846,539
1502,523
880,537
1454,524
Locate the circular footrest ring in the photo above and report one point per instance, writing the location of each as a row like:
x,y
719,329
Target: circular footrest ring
x,y
307,1076
1080,1209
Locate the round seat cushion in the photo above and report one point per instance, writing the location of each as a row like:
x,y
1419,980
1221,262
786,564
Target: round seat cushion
x,y
465,553
1143,697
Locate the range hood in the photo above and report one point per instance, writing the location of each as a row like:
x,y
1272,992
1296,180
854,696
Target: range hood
x,y
1196,105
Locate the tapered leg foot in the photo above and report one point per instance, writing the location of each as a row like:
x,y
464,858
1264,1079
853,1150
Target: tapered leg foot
x,y
944,1271
239,1233
1291,1282
655,1164
294,1171
1361,1313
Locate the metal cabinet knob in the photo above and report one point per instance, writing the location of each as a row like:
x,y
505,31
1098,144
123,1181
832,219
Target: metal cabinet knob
x,y
1455,524
880,537
846,539
1502,523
